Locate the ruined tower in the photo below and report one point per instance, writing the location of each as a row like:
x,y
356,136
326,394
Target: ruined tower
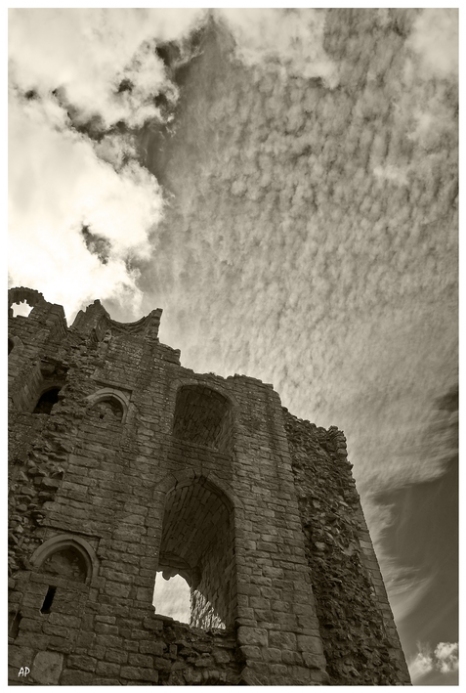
x,y
123,463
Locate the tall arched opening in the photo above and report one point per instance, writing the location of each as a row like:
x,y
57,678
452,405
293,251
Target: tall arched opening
x,y
198,544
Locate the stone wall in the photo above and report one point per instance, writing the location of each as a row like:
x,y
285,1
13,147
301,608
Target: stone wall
x,y
126,650
142,465
361,644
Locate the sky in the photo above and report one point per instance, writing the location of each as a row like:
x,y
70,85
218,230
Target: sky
x,y
284,185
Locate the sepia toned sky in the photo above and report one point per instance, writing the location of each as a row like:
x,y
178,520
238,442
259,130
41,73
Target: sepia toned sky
x,y
284,184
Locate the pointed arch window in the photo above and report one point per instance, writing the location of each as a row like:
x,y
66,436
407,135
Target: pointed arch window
x,y
66,566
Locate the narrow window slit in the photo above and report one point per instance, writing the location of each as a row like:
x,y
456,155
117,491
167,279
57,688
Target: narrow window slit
x,y
47,605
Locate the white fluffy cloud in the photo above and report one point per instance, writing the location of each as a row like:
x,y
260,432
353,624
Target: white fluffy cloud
x,y
446,656
443,659
60,180
57,184
88,52
293,38
435,39
421,665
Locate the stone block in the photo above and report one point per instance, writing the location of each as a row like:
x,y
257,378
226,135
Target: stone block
x,y
111,641
140,660
117,589
250,652
162,664
139,674
222,656
47,667
271,654
313,661
309,643
106,628
83,662
31,624
116,656
252,636
151,647
282,640
73,677
108,669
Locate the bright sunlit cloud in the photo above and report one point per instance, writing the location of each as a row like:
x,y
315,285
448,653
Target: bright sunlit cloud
x,y
65,68
292,38
443,659
89,52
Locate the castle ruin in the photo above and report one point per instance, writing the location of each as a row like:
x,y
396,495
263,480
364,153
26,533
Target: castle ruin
x,y
122,463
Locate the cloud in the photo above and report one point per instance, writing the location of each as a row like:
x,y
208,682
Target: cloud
x,y
428,103
172,598
292,38
407,586
57,185
435,40
443,659
446,654
89,52
421,665
66,67
392,174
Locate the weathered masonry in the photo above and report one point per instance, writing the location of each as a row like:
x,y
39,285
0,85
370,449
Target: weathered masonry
x,y
123,463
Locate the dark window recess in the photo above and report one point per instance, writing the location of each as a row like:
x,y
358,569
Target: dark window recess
x,y
47,605
14,618
10,345
109,409
47,400
67,563
202,417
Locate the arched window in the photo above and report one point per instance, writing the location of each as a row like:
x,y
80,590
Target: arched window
x,y
47,400
66,556
202,416
68,563
11,346
108,404
108,408
65,565
197,543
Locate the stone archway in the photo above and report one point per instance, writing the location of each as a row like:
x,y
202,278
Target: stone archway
x,y
198,544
